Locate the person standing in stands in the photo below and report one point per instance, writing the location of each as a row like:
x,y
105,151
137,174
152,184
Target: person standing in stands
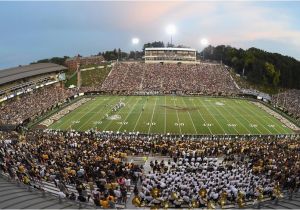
x,y
124,195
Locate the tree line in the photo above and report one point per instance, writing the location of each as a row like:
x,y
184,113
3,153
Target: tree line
x,y
56,60
258,66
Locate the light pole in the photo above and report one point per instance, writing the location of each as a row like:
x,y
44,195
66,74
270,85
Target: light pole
x,y
171,30
135,41
204,43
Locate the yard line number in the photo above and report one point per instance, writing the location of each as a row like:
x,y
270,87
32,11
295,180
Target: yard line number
x,y
179,124
151,124
122,123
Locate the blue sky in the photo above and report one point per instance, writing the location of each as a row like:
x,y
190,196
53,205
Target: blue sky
x,y
37,30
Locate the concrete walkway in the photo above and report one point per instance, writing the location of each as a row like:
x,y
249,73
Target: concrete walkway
x,y
13,196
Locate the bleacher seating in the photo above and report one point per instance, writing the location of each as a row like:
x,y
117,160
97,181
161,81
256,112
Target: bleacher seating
x,y
202,78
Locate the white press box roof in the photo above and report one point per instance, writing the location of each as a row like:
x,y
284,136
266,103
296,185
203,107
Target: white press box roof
x,y
169,49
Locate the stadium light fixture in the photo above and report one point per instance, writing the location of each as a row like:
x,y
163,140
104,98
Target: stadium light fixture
x,y
171,30
204,42
135,41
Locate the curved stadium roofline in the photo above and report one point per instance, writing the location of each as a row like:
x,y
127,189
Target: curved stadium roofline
x,y
21,72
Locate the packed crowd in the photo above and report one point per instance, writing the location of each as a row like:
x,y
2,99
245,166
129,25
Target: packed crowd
x,y
279,117
201,78
288,100
179,182
93,166
33,104
99,159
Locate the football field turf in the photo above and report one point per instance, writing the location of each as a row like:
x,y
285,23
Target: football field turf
x,y
173,115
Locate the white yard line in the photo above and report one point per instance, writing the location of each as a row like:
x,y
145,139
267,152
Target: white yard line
x,y
272,118
177,117
203,118
244,118
75,114
212,115
112,120
258,118
275,122
88,120
256,121
152,115
225,119
190,117
133,107
136,123
233,116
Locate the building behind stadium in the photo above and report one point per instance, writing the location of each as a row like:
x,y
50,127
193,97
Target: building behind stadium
x,y
170,55
72,63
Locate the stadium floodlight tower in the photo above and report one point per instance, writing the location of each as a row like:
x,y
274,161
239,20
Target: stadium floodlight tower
x,y
135,41
171,30
204,43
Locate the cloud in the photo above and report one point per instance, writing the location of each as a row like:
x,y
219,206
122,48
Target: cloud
x,y
260,23
134,15
239,23
223,22
58,28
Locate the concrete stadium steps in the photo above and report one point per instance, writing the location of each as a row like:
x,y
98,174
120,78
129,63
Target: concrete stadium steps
x,y
51,188
137,160
10,189
16,197
284,203
147,166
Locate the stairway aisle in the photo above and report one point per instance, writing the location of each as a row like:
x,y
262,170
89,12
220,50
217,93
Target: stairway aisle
x,y
284,203
16,197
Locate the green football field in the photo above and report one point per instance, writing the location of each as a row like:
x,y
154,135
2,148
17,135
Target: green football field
x,y
173,115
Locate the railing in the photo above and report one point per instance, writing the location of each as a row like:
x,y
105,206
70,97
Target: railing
x,y
44,193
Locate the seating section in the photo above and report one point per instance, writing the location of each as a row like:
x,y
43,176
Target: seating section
x,y
288,100
93,177
201,78
99,168
30,105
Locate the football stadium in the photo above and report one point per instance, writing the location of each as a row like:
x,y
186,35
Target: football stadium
x,y
164,126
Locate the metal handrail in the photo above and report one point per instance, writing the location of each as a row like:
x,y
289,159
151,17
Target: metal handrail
x,y
45,192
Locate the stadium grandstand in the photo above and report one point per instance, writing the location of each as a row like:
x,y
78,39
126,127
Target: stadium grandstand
x,y
19,80
288,101
204,78
25,89
148,135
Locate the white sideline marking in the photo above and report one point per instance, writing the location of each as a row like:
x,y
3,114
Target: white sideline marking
x,y
212,117
152,114
177,116
191,117
129,114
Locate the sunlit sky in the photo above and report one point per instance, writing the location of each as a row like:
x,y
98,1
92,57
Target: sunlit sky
x,y
36,30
